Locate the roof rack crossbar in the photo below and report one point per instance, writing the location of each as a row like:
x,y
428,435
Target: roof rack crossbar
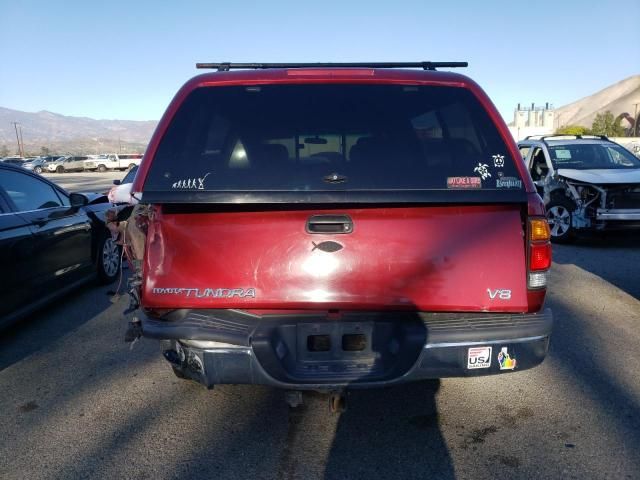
x,y
226,66
578,137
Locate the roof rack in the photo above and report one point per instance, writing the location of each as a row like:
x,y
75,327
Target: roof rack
x,y
226,66
578,137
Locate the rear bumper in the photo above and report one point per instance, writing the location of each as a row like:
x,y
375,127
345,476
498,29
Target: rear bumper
x,y
227,346
627,214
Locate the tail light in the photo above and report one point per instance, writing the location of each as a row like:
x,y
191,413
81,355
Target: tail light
x,y
539,255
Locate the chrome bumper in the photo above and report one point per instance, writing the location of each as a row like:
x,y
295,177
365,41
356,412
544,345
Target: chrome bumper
x,y
618,214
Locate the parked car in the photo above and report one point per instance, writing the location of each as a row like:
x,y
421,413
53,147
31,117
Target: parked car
x,y
121,161
49,160
38,165
67,164
52,241
13,160
121,190
331,228
52,166
587,183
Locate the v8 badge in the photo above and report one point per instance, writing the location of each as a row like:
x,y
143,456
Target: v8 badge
x,y
499,293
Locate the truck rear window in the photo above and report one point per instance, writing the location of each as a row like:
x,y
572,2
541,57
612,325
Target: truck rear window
x,y
331,138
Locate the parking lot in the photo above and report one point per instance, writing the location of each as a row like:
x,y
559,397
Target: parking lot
x,y
77,402
86,181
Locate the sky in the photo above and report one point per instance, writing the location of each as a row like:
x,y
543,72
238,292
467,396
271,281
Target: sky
x,y
126,59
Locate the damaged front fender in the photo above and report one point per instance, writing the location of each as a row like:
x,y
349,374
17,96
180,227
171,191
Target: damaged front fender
x,y
581,199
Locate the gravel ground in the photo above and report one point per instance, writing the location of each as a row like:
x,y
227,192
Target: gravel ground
x,y
76,402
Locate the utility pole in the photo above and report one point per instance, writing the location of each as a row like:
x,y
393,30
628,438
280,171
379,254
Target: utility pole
x,y
635,119
15,125
21,141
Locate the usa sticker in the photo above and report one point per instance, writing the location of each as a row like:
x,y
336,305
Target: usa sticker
x,y
479,357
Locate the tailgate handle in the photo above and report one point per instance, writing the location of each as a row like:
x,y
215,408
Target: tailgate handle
x,y
329,224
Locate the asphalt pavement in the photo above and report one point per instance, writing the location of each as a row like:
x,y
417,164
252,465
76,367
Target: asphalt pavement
x,y
77,402
86,181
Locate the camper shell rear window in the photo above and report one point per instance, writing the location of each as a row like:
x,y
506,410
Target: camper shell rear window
x,y
331,138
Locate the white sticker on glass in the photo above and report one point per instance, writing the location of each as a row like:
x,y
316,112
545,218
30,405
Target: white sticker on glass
x,y
498,161
191,183
483,170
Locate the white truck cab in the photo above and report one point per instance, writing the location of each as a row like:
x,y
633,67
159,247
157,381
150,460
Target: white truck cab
x,y
114,161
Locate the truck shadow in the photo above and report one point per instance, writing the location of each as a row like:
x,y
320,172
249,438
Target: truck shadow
x,y
394,432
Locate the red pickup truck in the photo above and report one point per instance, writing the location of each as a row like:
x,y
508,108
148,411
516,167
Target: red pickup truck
x,y
335,226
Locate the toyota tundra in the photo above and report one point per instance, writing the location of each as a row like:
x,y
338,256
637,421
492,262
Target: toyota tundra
x,y
335,226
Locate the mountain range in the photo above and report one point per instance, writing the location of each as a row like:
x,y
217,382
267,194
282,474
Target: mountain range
x,y
46,131
66,134
619,98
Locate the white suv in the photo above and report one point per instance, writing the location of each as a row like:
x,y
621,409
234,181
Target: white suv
x,y
67,164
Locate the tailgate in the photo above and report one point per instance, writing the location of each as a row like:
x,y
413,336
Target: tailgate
x,y
431,258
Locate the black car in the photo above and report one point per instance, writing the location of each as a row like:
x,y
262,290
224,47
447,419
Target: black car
x,y
51,241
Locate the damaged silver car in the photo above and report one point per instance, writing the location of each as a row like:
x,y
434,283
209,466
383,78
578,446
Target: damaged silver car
x,y
587,183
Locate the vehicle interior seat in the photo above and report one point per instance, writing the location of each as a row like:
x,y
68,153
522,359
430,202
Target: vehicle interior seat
x,y
539,168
